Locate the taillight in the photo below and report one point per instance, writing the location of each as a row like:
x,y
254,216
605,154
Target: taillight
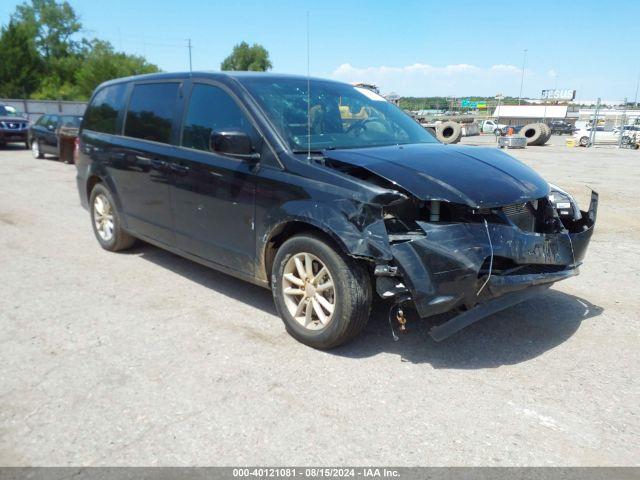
x,y
76,142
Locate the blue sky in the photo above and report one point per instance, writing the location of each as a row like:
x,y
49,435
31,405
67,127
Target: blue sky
x,y
416,48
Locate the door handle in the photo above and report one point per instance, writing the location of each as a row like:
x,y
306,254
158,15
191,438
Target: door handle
x,y
179,169
158,164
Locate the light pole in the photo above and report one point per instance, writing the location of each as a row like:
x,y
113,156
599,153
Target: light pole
x,y
635,100
524,62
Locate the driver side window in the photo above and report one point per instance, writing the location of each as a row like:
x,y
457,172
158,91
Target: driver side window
x,y
211,109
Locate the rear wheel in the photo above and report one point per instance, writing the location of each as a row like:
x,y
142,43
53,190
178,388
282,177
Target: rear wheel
x,y
106,221
35,149
323,296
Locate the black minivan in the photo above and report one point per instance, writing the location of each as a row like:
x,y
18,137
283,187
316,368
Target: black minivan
x,y
327,194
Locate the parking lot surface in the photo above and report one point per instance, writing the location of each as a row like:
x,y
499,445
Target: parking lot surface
x,y
145,358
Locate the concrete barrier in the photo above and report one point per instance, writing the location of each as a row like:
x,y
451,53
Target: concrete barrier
x,y
34,109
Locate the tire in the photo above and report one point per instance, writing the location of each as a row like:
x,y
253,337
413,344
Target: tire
x,y
118,238
350,296
532,132
498,132
626,140
583,142
449,132
546,134
35,149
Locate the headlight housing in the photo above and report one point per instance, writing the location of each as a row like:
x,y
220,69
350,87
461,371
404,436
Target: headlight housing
x,y
564,203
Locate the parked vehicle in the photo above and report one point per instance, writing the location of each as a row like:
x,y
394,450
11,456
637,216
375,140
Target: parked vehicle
x,y
249,174
14,126
560,127
48,135
491,126
584,139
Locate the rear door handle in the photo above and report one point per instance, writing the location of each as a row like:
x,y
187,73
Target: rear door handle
x,y
179,169
158,164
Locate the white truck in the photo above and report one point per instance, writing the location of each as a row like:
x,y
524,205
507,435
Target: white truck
x,y
491,126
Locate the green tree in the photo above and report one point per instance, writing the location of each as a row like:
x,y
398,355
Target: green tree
x,y
20,64
102,63
245,57
52,25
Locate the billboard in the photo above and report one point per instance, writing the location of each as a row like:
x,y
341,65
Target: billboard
x,y
465,103
555,94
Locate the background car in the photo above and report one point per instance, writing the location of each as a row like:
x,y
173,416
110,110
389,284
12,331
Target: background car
x,y
560,127
14,126
51,133
583,136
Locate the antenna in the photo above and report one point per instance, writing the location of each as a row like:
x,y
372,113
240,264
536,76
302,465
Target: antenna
x,y
189,47
308,94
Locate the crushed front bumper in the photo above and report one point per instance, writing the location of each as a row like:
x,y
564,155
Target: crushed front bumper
x,y
443,270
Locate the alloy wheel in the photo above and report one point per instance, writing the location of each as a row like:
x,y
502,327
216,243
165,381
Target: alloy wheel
x,y
308,291
103,217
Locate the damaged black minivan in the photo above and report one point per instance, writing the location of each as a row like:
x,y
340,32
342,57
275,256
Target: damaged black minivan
x,y
327,194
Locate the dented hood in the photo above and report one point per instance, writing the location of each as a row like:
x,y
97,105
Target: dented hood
x,y
478,177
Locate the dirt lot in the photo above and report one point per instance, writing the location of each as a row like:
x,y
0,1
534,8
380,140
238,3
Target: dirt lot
x,y
145,358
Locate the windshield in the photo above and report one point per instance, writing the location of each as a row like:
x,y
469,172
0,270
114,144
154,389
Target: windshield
x,y
337,116
8,111
70,121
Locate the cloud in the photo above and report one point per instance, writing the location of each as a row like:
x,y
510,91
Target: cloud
x,y
421,79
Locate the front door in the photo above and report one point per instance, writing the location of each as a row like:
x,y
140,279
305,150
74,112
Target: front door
x,y
49,142
213,195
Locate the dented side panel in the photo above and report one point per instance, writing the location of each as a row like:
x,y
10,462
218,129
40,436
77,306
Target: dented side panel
x,y
346,209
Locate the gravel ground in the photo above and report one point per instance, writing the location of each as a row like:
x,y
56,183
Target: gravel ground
x,y
145,358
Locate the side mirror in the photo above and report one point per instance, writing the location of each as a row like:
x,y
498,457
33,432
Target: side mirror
x,y
233,143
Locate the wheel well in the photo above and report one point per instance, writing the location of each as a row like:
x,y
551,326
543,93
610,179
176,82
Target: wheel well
x,y
92,182
288,230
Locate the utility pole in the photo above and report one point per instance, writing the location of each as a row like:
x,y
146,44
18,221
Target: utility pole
x,y
189,47
635,100
594,124
624,120
524,62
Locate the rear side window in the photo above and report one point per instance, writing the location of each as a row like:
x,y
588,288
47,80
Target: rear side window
x,y
151,110
102,113
211,108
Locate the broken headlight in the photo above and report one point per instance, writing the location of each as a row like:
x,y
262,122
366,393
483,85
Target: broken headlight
x,y
564,203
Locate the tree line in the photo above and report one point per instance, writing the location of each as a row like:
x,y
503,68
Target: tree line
x,y
42,56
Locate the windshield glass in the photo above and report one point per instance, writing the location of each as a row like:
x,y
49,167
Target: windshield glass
x,y
70,121
7,111
339,115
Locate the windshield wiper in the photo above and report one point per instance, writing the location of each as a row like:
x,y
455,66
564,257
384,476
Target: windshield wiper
x,y
313,150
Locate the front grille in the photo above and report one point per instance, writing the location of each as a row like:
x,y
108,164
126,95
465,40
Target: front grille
x,y
536,269
522,215
13,125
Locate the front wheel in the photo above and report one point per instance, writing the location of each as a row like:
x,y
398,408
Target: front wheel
x,y
35,149
106,221
584,141
322,295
